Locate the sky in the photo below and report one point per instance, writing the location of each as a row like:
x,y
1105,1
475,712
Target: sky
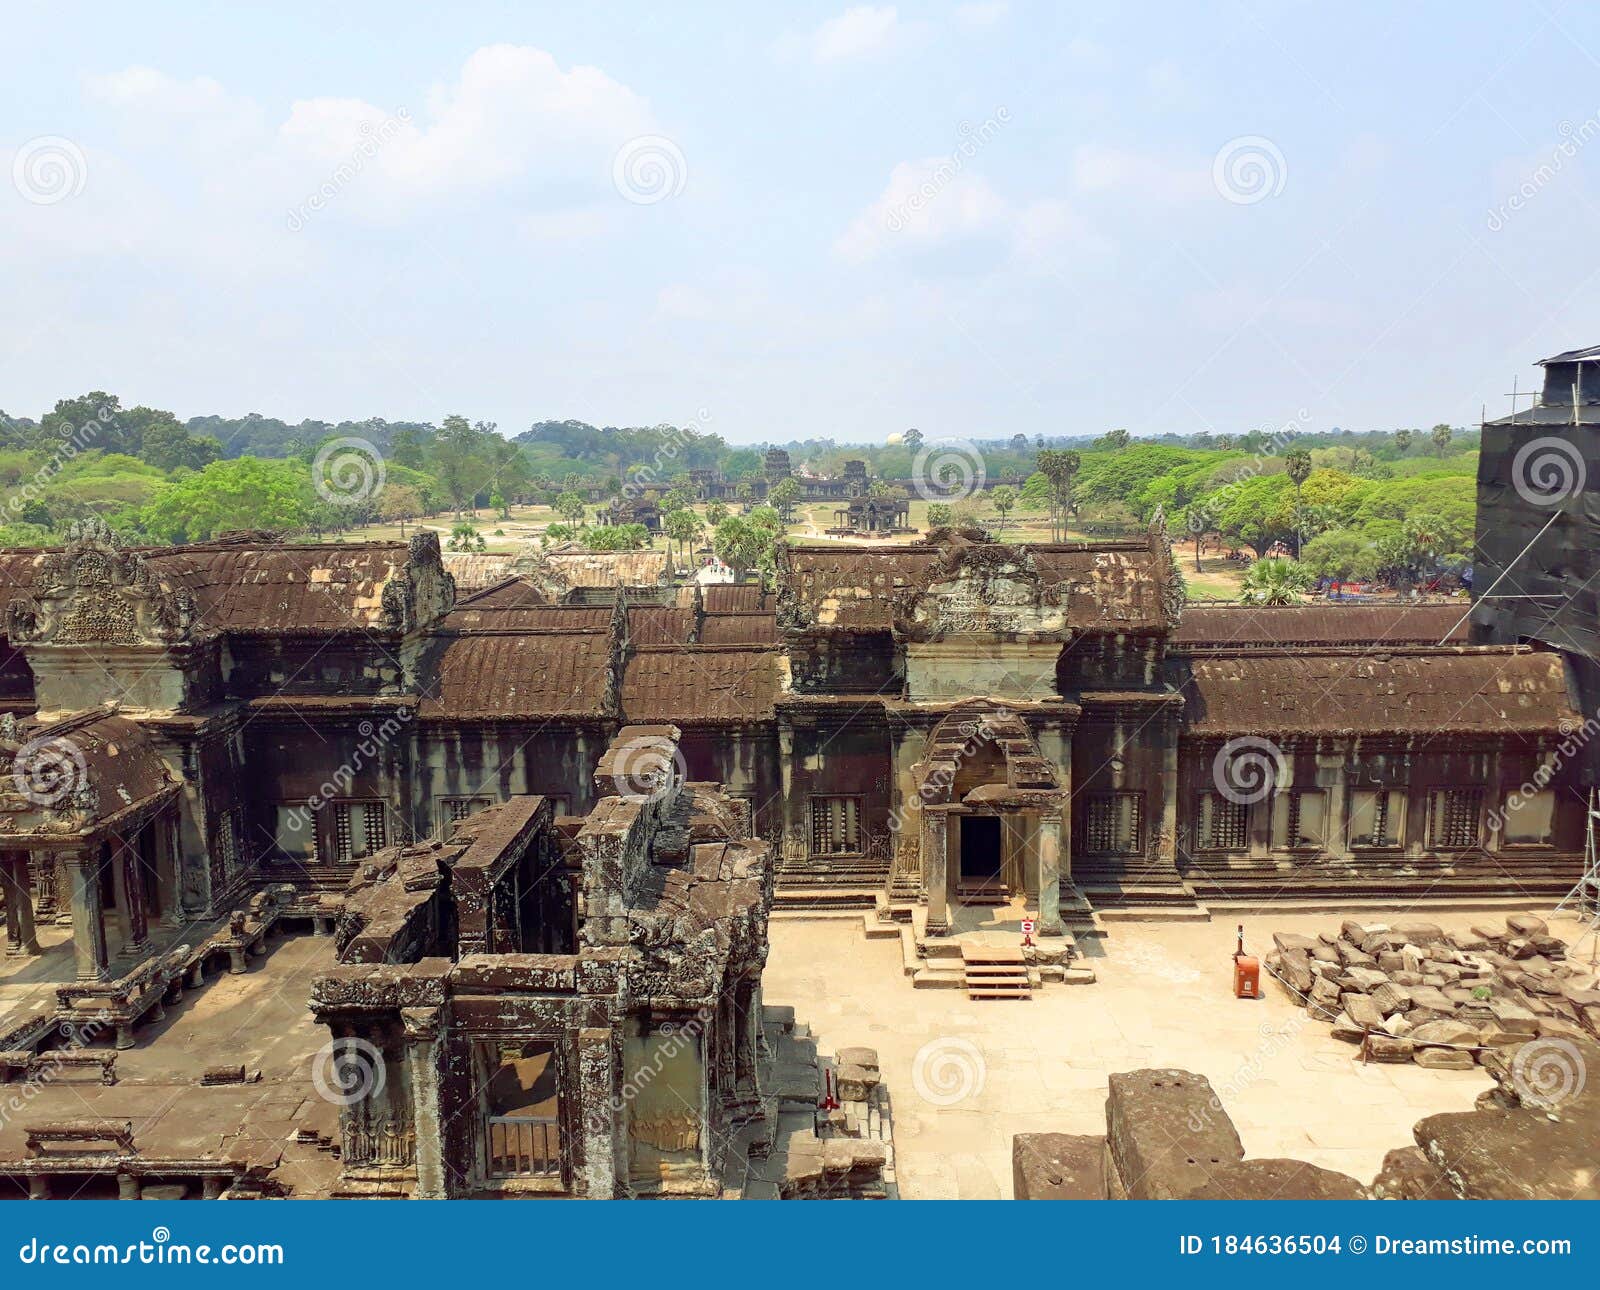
x,y
779,222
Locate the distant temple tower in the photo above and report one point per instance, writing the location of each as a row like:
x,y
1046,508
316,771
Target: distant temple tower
x,y
776,466
1536,576
855,478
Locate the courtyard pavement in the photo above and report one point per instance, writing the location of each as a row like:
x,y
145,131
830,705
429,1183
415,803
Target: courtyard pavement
x,y
964,1076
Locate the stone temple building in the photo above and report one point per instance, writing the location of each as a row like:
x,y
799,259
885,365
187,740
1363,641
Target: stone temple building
x,y
209,746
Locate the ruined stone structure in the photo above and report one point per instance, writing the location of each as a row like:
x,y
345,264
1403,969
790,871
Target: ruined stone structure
x,y
504,1043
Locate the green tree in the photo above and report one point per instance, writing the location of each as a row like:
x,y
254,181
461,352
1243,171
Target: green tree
x,y
1440,435
785,493
1003,499
940,515
461,461
245,493
1297,465
716,512
464,537
740,544
1402,441
1201,516
1341,556
570,507
683,526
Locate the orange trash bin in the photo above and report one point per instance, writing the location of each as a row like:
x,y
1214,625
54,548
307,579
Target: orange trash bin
x,y
1246,977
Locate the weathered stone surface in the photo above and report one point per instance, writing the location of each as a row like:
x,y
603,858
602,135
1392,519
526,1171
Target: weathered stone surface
x,y
1294,941
1273,1179
1166,1130
1420,933
1408,1174
1513,1018
1385,1048
1295,966
1391,998
1513,1155
1444,1059
856,1083
1446,1031
1058,1166
1527,925
1362,1011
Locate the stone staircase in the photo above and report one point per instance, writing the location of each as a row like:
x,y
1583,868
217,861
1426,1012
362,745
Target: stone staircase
x,y
1135,887
994,972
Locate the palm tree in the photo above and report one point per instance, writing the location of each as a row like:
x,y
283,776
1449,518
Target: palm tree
x,y
1003,499
1273,582
1441,438
1402,441
1298,466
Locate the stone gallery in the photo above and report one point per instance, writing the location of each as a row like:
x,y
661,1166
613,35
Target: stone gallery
x,y
528,837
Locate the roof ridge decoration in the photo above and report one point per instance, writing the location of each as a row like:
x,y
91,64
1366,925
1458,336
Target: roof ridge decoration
x,y
1173,593
94,592
981,587
424,592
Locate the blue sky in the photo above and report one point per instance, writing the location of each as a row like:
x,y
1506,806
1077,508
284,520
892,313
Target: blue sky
x,y
971,218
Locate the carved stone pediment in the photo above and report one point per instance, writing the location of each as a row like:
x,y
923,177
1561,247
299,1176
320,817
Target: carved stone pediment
x,y
95,593
982,589
423,591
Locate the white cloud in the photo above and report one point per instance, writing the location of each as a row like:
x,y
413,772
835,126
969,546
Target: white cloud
x,y
857,32
513,109
984,13
1097,169
934,204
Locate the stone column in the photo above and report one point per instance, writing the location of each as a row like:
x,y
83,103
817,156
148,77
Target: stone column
x,y
598,1114
1168,837
63,890
935,870
166,861
423,1035
137,916
747,1019
20,935
88,928
1050,875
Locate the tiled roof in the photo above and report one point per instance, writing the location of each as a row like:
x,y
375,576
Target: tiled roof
x,y
1332,624
608,568
657,625
531,618
736,598
489,676
476,570
285,588
1490,691
700,684
739,629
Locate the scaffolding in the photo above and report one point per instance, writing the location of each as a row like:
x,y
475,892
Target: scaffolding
x,y
1583,901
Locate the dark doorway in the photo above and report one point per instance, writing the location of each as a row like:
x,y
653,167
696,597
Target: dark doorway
x,y
980,849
